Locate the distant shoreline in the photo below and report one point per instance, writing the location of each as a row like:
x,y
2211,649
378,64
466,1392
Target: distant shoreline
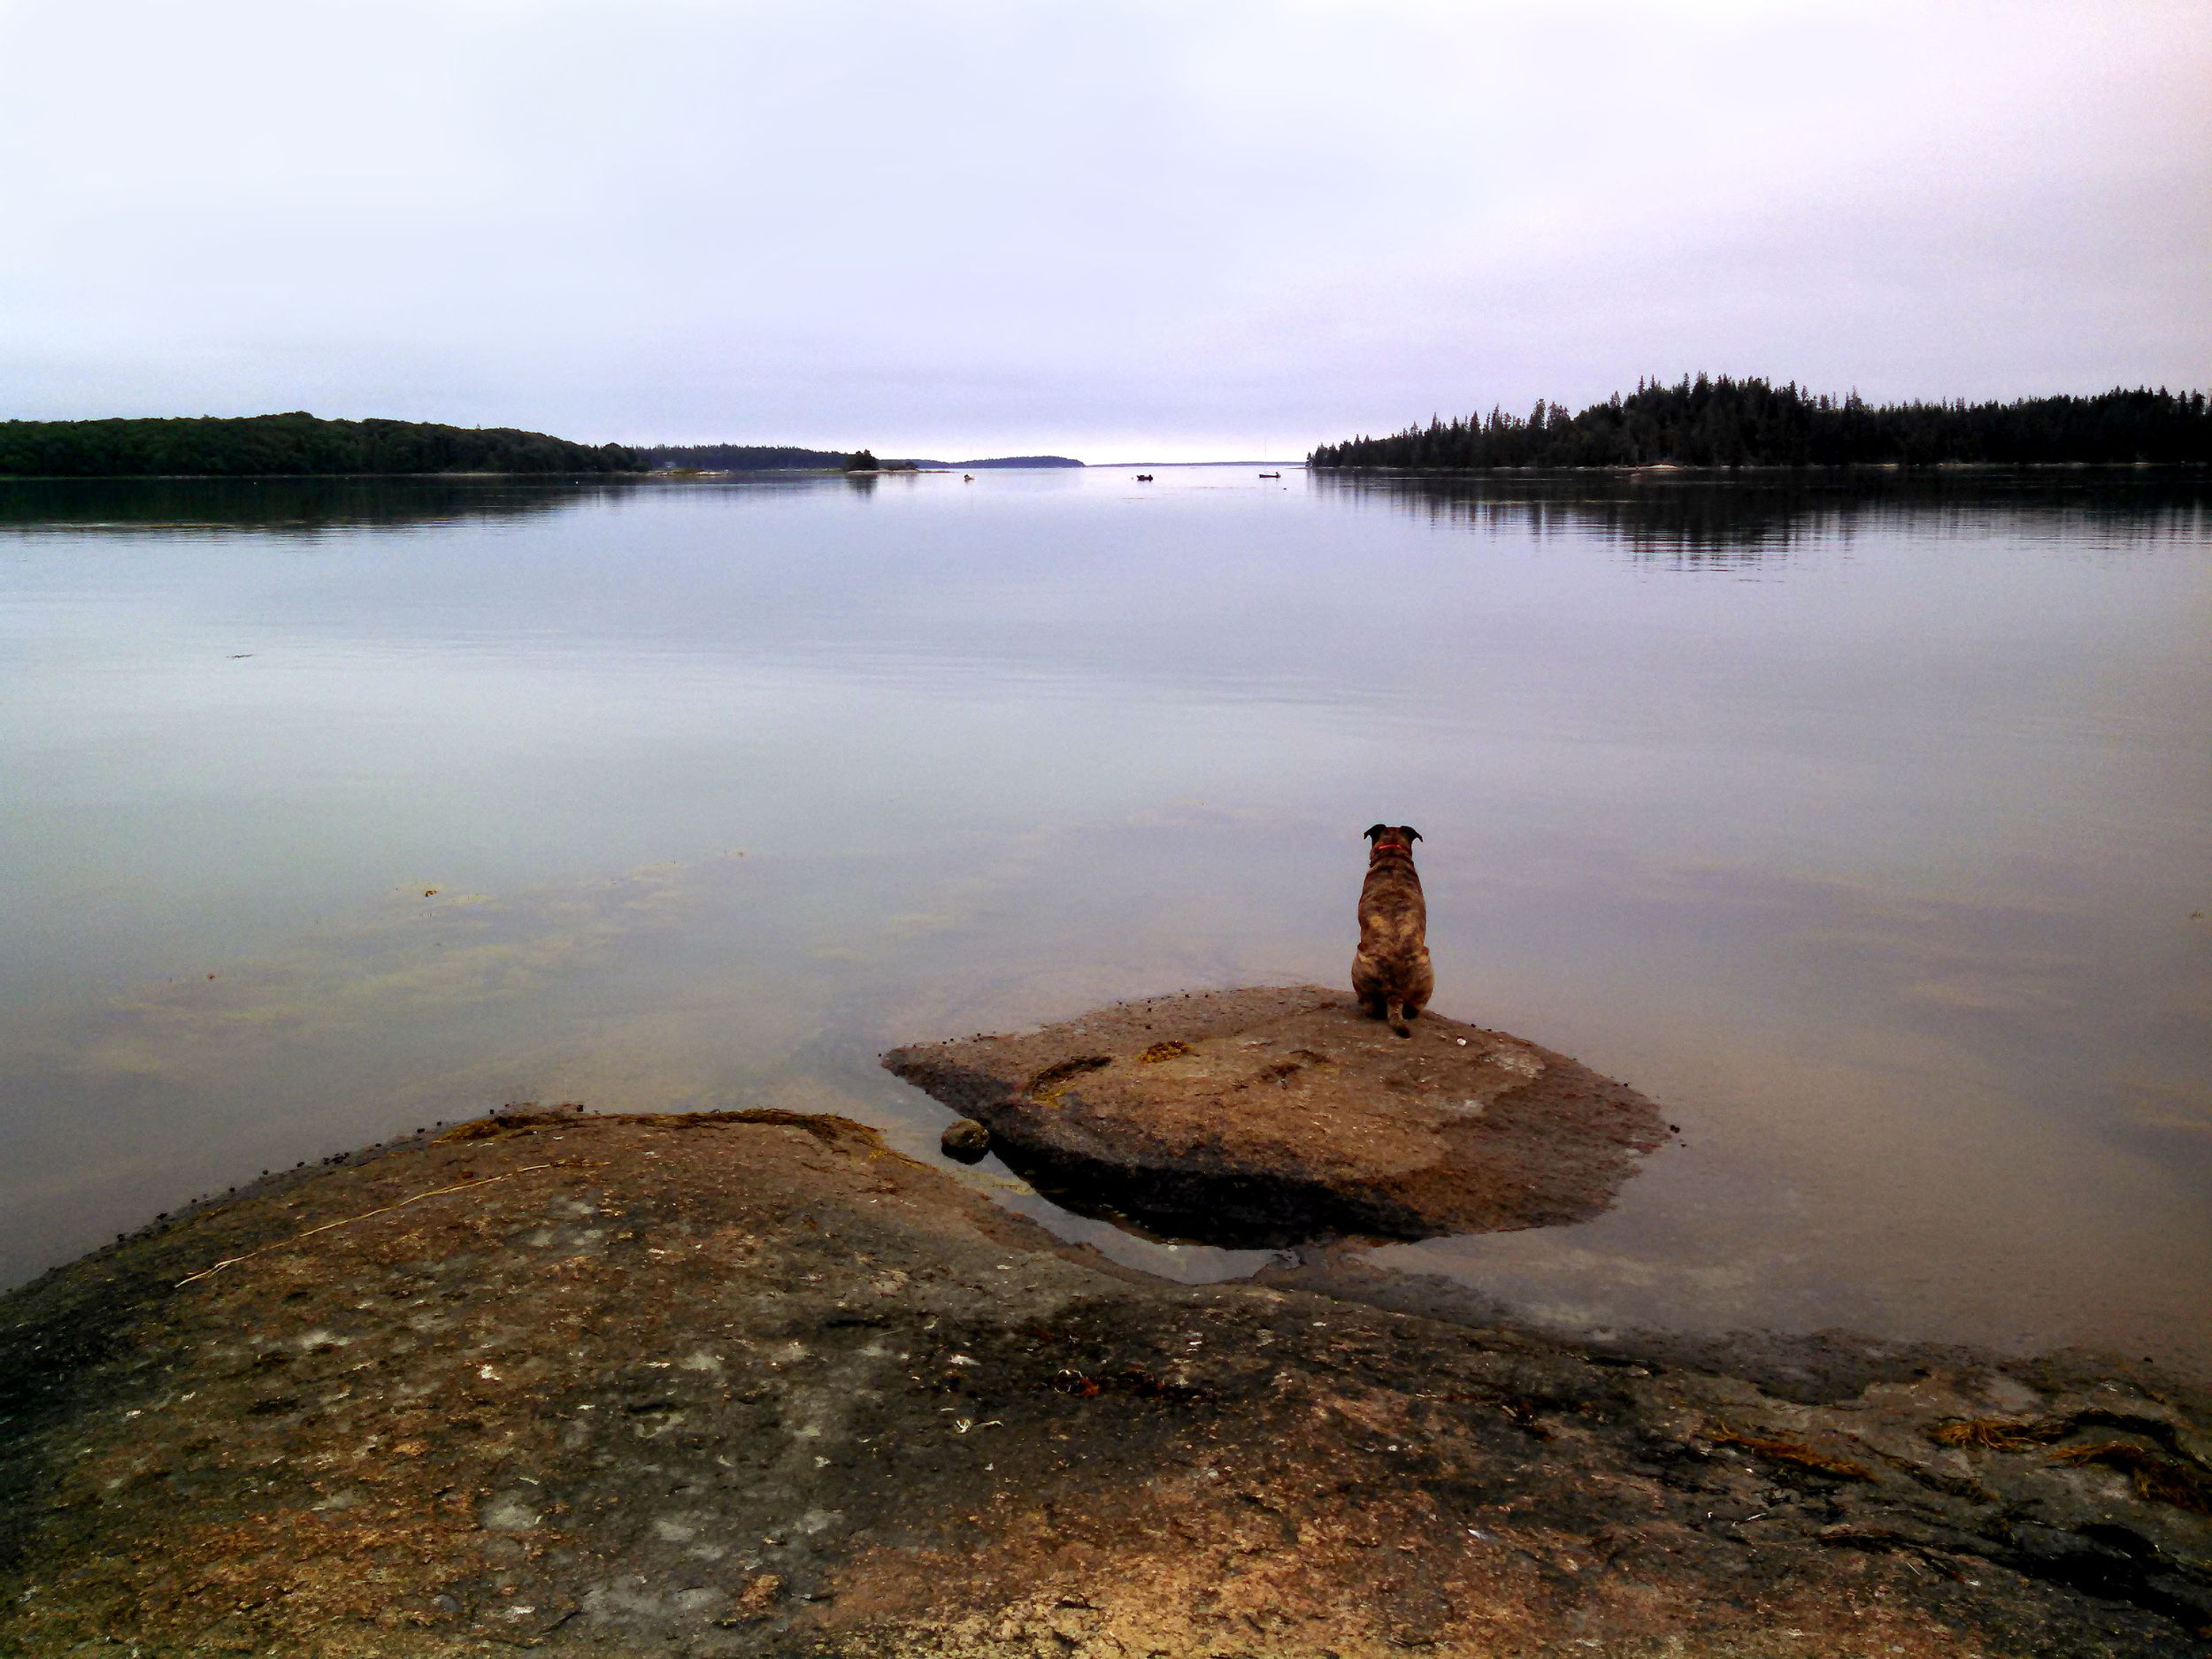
x,y
1649,470
295,445
1731,424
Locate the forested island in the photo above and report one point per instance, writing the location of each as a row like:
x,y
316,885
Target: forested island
x,y
1725,423
763,458
742,458
304,445
295,444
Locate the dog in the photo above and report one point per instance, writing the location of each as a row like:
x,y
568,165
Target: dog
x,y
1392,965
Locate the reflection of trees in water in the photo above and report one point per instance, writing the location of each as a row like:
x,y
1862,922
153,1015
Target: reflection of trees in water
x,y
281,506
1733,520
309,506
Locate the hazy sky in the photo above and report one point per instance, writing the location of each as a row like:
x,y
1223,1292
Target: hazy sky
x,y
1115,230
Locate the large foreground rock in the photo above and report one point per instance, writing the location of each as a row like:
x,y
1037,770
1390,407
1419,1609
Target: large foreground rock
x,y
1283,1116
753,1385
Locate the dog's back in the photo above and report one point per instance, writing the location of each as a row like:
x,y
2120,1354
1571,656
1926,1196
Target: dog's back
x,y
1392,965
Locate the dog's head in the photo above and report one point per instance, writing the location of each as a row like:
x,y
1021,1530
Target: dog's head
x,y
1393,837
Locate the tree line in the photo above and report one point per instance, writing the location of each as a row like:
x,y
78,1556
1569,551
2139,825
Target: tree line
x,y
292,444
743,458
1723,422
769,458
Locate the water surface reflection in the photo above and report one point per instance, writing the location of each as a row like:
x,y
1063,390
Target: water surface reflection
x,y
283,506
1708,518
1884,873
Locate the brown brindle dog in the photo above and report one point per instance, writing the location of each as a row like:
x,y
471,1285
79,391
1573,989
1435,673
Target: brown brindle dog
x,y
1392,964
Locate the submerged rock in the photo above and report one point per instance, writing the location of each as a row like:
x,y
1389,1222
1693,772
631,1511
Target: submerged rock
x,y
754,1385
1283,1116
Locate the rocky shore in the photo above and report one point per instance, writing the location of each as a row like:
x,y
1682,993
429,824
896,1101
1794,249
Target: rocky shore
x,y
751,1384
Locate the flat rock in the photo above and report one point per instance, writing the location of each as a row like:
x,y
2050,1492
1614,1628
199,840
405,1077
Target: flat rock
x,y
1281,1115
752,1385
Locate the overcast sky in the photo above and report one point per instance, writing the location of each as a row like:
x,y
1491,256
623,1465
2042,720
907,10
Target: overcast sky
x,y
1113,230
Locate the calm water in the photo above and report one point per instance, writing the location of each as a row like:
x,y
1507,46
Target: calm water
x,y
1869,830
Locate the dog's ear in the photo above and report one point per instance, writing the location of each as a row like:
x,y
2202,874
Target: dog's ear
x,y
1412,835
1375,830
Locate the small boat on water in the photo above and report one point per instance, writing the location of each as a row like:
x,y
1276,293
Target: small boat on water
x,y
1144,478
1270,475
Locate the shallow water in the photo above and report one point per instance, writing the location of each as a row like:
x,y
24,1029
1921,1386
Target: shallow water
x,y
1866,828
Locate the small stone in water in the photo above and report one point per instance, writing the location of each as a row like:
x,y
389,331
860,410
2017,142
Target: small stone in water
x,y
965,1142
